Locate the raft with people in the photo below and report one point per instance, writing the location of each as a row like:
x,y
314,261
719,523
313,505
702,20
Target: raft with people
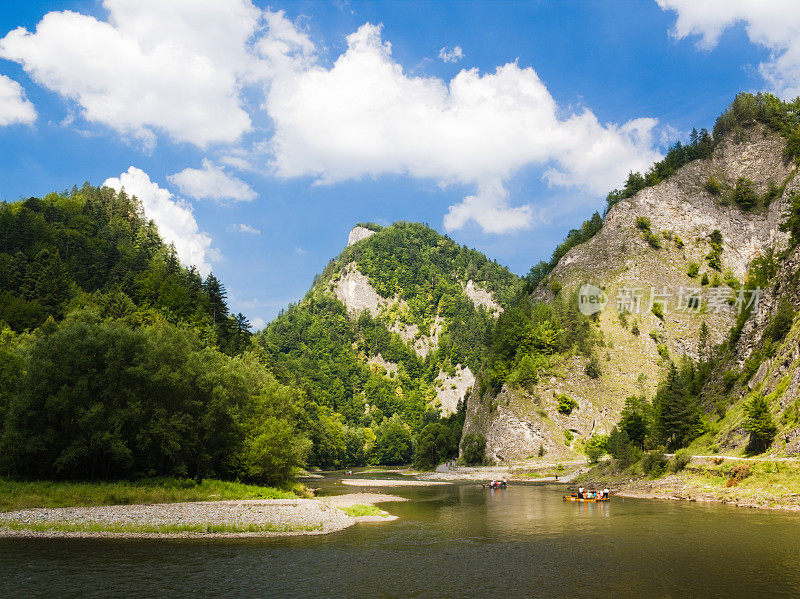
x,y
592,496
495,484
576,498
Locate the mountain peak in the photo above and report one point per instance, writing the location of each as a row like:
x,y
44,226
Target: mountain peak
x,y
358,233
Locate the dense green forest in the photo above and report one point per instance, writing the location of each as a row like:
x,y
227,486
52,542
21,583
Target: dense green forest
x,y
116,361
119,362
93,247
531,337
316,346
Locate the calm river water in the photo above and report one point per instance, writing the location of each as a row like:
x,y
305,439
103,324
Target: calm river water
x,y
450,541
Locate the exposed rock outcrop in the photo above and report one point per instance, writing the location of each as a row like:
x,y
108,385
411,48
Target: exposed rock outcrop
x,y
451,389
359,233
680,215
482,297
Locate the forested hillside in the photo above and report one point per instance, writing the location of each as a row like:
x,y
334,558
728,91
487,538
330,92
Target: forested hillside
x,y
119,362
93,247
116,361
409,332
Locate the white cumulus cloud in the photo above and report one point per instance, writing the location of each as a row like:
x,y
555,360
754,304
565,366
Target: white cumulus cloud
x,y
173,216
244,228
212,183
154,66
14,106
365,117
181,68
453,55
774,25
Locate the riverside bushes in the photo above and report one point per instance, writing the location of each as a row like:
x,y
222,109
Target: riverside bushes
x,y
738,474
654,462
100,400
473,449
680,460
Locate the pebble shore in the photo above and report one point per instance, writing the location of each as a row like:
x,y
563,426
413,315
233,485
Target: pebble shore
x,y
289,516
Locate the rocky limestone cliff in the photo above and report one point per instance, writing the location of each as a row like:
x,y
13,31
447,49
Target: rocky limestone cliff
x,y
619,260
358,233
354,290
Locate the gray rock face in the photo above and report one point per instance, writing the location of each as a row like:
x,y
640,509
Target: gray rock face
x,y
619,259
354,290
358,233
451,389
482,297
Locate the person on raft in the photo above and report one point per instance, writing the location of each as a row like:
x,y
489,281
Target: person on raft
x,y
580,493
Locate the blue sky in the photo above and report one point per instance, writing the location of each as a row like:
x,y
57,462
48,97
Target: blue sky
x,y
260,134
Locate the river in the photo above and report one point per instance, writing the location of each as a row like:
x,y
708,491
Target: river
x,y
449,541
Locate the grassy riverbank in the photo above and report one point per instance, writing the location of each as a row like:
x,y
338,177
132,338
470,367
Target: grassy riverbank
x,y
160,529
758,483
19,495
360,510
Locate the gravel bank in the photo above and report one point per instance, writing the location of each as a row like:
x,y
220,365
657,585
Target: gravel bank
x,y
283,517
380,482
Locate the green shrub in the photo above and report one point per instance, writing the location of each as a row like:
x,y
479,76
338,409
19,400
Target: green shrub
x,y
721,407
745,193
658,311
730,279
713,186
729,379
654,462
566,404
714,257
635,327
593,369
791,219
653,240
595,447
773,191
679,242
643,223
693,270
704,279
473,449
781,323
680,460
568,437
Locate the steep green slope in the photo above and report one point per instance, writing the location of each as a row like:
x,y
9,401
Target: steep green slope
x,y
391,329
111,355
93,247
